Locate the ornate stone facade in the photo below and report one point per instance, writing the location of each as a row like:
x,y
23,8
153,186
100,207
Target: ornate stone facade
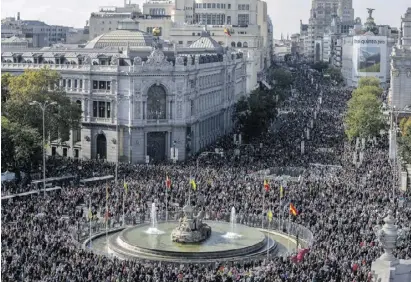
x,y
147,100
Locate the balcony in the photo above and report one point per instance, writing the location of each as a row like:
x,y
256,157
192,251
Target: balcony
x,y
101,120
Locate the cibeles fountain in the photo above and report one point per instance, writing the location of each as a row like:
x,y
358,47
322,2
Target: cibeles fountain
x,y
191,239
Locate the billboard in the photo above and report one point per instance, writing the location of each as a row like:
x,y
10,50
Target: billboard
x,y
369,57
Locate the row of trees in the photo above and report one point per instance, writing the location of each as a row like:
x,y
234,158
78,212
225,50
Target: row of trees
x,y
364,117
333,73
22,123
255,113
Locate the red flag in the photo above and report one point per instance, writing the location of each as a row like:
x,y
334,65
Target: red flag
x,y
293,210
168,182
266,185
227,31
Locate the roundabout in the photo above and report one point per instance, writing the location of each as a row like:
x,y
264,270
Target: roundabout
x,y
179,241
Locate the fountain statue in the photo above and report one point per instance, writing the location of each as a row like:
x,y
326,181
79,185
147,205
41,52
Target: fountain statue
x,y
191,229
154,225
233,220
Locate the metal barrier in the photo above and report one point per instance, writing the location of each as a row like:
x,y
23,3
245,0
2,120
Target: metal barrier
x,y
285,227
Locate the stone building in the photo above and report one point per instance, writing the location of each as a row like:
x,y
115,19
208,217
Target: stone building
x,y
400,87
139,100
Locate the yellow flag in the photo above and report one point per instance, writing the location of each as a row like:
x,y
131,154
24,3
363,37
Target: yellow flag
x,y
193,184
90,214
281,191
126,187
46,146
106,192
270,215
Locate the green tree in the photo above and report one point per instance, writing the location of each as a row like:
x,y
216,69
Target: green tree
x,y
254,114
41,85
283,78
364,118
369,81
376,91
335,75
21,146
23,124
320,66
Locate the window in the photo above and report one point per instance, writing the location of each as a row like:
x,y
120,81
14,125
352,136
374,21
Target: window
x,y
64,82
229,6
204,6
76,153
81,83
180,42
95,84
101,85
218,5
233,44
228,19
245,45
243,19
209,5
69,83
213,6
101,109
75,84
194,34
64,152
53,151
239,45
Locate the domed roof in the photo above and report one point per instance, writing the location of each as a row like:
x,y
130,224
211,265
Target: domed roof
x,y
127,34
206,42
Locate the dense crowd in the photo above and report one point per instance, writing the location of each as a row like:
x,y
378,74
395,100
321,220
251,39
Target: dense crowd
x,y
339,202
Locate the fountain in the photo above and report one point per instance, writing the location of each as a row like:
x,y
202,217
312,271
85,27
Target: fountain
x,y
153,216
233,220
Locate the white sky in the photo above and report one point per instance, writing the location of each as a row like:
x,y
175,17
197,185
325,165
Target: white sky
x,y
285,14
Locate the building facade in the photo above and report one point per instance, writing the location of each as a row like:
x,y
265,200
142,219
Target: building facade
x,y
181,22
38,34
400,87
142,101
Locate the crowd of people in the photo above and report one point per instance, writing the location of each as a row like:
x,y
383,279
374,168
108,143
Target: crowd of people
x,y
340,202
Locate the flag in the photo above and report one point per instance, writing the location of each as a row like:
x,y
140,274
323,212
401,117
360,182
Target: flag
x,y
293,210
281,191
270,215
106,192
90,214
46,146
106,215
227,31
193,184
126,187
266,185
168,182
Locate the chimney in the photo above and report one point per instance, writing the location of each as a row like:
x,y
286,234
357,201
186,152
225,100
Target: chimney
x,y
18,16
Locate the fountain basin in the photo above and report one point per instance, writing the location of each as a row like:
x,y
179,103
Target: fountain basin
x,y
134,242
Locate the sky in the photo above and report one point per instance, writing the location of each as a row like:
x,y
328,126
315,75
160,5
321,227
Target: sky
x,y
285,14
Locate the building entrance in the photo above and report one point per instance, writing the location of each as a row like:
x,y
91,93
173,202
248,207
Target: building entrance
x,y
156,145
101,146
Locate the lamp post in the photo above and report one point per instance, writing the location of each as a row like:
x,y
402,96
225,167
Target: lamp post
x,y
43,106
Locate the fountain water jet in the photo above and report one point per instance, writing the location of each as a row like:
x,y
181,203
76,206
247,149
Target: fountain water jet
x,y
153,216
233,220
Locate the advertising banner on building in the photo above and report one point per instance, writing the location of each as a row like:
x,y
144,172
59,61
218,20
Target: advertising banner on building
x,y
369,57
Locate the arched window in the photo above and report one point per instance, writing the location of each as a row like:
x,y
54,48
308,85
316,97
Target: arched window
x,y
156,102
245,45
239,44
233,44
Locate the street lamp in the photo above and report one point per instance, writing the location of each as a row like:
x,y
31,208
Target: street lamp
x,y
43,106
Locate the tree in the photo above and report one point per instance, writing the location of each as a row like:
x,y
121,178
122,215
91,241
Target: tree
x,y
335,75
41,85
364,118
376,91
369,81
282,78
21,145
320,66
23,124
405,126
254,114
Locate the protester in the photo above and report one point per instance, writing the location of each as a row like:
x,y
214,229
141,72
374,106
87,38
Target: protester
x,y
339,202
